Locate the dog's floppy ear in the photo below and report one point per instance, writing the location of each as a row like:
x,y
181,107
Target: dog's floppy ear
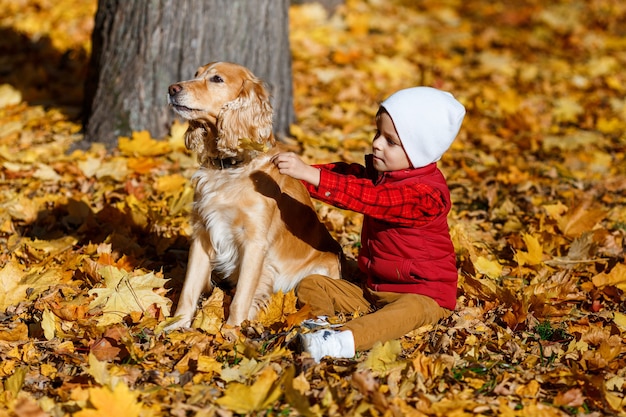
x,y
248,117
200,138
194,137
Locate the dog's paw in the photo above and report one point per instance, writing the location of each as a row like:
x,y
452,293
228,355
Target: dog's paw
x,y
176,323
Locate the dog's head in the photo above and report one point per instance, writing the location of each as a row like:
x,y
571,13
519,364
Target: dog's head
x,y
228,109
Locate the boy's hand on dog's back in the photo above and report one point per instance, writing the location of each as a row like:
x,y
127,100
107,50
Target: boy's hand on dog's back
x,y
288,163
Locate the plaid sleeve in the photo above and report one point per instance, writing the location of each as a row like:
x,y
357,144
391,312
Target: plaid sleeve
x,y
401,204
343,168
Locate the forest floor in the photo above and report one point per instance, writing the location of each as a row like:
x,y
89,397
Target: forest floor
x,y
93,245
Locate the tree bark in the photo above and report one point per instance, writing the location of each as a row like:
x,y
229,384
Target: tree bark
x,y
141,47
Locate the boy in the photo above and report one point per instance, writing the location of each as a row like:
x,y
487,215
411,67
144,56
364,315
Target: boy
x,y
407,263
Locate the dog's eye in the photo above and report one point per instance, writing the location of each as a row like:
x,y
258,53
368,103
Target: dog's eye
x,y
216,79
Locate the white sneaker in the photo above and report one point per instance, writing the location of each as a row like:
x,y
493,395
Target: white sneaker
x,y
333,343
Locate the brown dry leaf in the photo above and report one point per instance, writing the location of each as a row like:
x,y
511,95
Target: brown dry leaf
x,y
299,316
14,332
570,398
103,350
581,219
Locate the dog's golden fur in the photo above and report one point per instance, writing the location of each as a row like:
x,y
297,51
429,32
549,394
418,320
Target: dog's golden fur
x,y
252,226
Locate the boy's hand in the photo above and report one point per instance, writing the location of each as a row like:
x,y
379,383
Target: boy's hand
x,y
288,163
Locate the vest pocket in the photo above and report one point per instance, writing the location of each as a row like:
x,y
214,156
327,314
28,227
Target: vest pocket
x,y
392,271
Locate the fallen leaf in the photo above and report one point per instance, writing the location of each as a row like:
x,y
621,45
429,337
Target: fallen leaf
x,y
570,398
383,357
616,277
106,402
142,144
488,267
48,323
125,293
244,399
9,96
534,255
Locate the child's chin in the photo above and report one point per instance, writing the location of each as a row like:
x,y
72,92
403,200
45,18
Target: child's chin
x,y
379,165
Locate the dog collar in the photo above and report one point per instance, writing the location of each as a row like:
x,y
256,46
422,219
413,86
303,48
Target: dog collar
x,y
224,163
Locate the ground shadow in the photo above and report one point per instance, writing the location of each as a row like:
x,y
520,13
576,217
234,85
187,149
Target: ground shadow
x,y
43,74
140,244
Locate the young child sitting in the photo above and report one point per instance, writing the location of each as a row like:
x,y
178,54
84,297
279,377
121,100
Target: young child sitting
x,y
407,267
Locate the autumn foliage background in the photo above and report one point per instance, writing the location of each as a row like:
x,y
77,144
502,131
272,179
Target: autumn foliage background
x,y
93,245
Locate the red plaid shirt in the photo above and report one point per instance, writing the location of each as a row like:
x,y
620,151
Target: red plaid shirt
x,y
360,189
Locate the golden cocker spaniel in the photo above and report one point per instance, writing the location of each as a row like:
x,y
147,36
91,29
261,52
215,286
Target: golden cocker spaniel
x,y
252,226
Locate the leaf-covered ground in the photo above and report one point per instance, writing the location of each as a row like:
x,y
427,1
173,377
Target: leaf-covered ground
x,y
93,245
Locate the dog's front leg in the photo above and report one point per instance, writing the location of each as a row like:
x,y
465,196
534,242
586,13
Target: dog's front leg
x,y
197,280
249,277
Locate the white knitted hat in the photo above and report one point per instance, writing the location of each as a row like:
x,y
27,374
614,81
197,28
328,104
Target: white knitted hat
x,y
427,120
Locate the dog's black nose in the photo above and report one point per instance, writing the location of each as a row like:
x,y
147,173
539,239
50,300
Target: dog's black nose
x,y
174,89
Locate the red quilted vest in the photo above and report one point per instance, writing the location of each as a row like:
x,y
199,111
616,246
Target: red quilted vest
x,y
418,259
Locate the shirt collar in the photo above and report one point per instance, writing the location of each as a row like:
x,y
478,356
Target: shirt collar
x,y
407,173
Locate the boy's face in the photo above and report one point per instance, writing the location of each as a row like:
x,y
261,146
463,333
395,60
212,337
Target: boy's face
x,y
389,155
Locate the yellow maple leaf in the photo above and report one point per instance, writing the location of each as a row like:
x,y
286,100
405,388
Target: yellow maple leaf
x,y
125,293
177,135
487,267
22,208
245,369
555,211
15,382
534,256
53,247
529,390
211,315
620,320
244,399
617,402
279,305
106,402
116,169
11,291
208,364
250,145
170,183
14,332
383,357
89,166
616,277
98,370
141,144
17,285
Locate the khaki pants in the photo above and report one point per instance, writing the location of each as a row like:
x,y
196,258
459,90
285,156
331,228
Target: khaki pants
x,y
390,315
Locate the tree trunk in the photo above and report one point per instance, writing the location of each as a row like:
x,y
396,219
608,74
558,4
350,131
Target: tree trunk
x,y
141,47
